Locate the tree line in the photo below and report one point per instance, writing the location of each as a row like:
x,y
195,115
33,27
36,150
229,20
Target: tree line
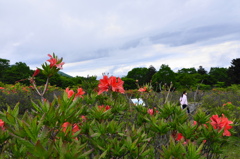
x,y
185,77
160,79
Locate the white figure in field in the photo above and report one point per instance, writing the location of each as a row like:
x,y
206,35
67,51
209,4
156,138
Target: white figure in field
x,y
184,101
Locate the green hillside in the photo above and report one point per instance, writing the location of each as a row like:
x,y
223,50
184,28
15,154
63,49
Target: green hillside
x,y
64,74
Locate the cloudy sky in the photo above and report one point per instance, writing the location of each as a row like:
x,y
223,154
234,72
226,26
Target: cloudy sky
x,y
114,37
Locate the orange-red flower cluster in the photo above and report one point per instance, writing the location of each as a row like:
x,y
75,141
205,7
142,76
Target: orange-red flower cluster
x,y
79,93
152,111
144,89
2,123
110,84
104,108
36,72
54,62
221,123
73,127
179,136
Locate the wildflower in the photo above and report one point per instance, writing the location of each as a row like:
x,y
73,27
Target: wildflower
x,y
116,84
104,108
36,72
150,111
54,62
83,118
107,107
144,89
2,123
2,88
194,122
221,123
179,136
75,128
69,92
80,92
110,84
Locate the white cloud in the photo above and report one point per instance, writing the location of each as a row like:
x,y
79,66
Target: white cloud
x,y
115,36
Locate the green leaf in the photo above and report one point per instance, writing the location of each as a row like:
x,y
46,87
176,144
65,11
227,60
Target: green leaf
x,y
37,108
10,118
16,110
103,154
85,154
29,133
96,135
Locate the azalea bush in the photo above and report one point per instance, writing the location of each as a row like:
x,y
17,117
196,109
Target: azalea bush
x,y
225,102
104,123
24,95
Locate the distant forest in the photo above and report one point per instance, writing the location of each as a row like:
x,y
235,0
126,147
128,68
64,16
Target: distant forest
x,y
185,78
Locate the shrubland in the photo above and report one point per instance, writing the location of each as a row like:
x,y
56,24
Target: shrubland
x,y
99,120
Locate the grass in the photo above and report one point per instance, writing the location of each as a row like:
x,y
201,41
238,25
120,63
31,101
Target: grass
x,y
232,151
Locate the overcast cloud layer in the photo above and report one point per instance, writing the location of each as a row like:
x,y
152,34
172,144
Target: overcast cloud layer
x,y
111,36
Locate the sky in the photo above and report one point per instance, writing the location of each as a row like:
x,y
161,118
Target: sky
x,y
113,37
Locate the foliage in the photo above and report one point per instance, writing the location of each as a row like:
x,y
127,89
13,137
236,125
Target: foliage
x,y
164,76
129,83
185,78
139,74
233,71
23,95
106,124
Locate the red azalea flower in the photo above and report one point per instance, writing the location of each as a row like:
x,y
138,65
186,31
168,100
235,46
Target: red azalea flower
x,y
36,72
216,122
194,122
104,108
221,123
60,65
150,111
69,92
114,84
103,85
66,125
107,107
83,118
2,88
75,128
179,137
54,62
144,89
80,92
2,123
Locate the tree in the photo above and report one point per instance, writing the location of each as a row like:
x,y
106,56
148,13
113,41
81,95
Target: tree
x,y
191,70
185,79
4,64
151,71
234,71
164,76
139,74
218,74
18,72
129,83
201,70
